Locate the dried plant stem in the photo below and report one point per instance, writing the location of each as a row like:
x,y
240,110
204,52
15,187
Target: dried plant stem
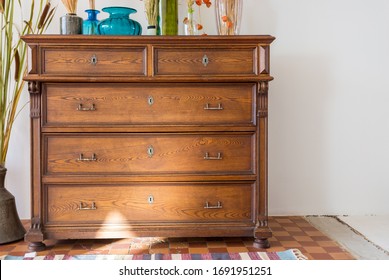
x,y
151,9
13,58
92,4
70,5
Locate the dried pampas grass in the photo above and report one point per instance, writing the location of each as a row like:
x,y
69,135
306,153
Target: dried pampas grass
x,y
70,5
151,9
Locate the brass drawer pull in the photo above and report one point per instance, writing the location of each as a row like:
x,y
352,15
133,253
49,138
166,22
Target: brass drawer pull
x,y
93,60
218,206
81,108
81,158
219,107
207,157
81,207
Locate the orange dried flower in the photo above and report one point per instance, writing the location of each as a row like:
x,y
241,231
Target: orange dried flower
x,y
186,20
199,26
208,3
230,24
224,18
198,2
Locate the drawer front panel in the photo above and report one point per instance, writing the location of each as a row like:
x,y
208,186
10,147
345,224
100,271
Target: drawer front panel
x,y
197,61
91,104
186,202
149,154
94,62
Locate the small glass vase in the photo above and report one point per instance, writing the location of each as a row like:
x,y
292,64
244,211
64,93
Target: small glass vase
x,y
119,22
228,16
190,25
168,17
89,26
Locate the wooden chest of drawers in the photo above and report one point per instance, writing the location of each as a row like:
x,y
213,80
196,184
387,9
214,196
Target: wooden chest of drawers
x,y
148,136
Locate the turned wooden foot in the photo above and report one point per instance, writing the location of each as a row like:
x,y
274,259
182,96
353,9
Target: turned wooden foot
x,y
36,246
261,243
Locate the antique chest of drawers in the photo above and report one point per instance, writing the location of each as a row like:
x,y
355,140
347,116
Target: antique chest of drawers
x,y
148,136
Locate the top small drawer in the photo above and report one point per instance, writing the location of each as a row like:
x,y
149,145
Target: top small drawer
x,y
94,61
205,61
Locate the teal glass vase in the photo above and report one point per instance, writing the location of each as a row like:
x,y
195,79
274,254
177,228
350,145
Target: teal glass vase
x,y
119,22
89,26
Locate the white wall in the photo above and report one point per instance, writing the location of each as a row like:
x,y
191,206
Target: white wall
x,y
329,104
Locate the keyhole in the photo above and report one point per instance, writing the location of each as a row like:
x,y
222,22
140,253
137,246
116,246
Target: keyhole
x,y
205,60
150,199
150,100
150,151
93,60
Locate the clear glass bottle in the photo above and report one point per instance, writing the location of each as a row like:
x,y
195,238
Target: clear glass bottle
x,y
228,16
190,23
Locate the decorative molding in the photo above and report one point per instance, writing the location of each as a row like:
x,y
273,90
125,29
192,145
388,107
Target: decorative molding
x,y
35,233
262,223
35,224
34,89
262,100
264,59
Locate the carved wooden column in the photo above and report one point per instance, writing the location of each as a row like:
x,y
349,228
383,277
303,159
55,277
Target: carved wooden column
x,y
262,230
35,235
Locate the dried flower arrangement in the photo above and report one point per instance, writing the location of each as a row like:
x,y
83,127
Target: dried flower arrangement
x,y
191,26
152,10
70,5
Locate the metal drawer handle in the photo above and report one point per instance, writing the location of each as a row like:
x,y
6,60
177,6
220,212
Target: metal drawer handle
x,y
205,60
81,158
207,157
93,60
81,108
81,207
218,206
208,107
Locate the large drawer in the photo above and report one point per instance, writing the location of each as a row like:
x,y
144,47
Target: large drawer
x,y
149,154
118,204
206,61
151,104
92,61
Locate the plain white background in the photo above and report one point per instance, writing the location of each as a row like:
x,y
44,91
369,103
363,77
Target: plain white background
x,y
328,112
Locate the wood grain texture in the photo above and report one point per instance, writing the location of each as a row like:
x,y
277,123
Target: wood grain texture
x,y
149,104
130,203
130,154
233,60
94,61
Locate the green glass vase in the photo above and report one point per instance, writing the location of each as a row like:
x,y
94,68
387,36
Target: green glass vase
x,y
168,17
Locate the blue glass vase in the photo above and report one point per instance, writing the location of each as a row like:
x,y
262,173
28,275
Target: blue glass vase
x,y
89,26
119,22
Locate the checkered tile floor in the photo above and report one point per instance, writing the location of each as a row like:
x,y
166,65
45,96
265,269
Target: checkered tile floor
x,y
288,233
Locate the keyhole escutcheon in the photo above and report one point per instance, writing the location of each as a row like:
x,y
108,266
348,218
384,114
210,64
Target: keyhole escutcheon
x,y
205,60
